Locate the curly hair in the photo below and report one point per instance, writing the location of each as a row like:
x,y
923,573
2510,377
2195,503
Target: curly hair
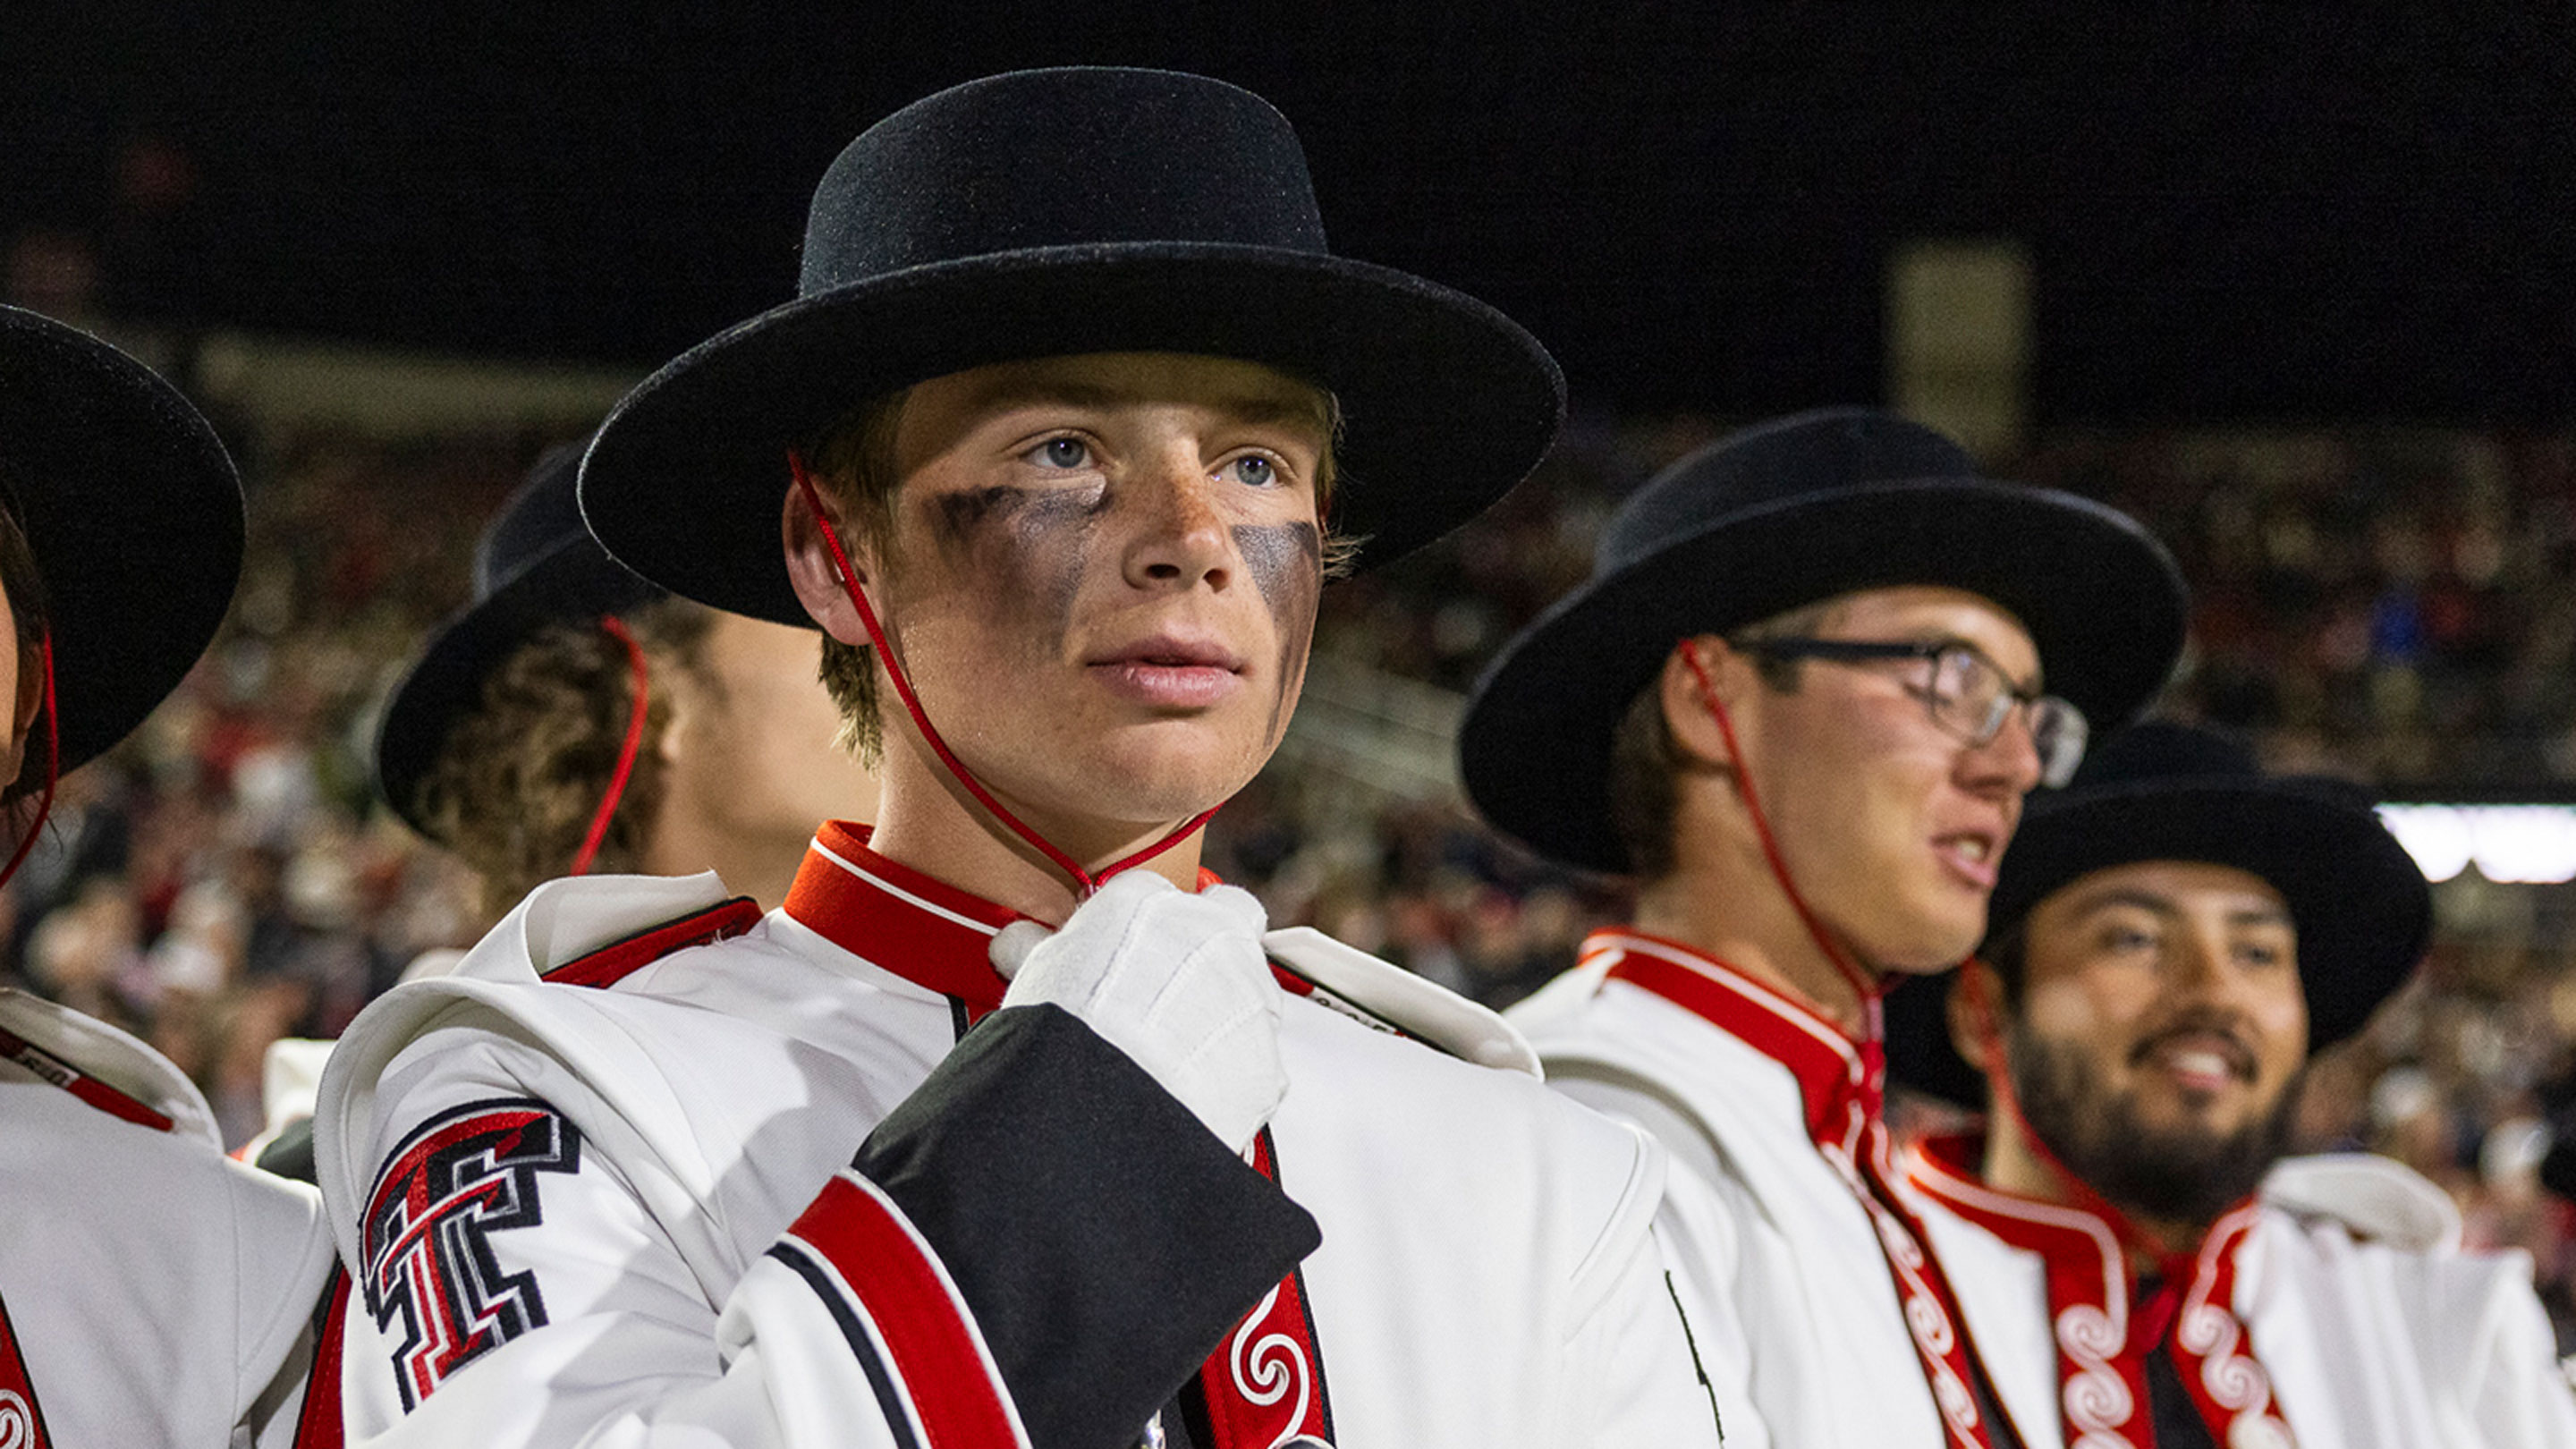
x,y
518,780
854,461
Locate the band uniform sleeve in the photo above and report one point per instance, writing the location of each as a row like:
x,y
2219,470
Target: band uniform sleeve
x,y
2521,1398
1103,1238
1651,1368
515,1285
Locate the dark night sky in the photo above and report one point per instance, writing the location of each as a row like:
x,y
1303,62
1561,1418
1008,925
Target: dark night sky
x,y
2246,212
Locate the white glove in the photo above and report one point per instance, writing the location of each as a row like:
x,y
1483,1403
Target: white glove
x,y
1176,981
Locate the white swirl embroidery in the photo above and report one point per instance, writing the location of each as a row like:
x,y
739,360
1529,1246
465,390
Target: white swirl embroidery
x,y
2235,1382
17,1421
1266,1366
1925,1318
2096,1399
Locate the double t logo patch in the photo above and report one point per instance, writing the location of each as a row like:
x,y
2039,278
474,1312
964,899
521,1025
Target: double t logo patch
x,y
457,1179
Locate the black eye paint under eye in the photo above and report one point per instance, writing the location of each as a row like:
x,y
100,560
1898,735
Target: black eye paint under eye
x,y
1031,542
1286,561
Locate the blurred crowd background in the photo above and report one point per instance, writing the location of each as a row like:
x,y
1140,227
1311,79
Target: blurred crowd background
x,y
2395,606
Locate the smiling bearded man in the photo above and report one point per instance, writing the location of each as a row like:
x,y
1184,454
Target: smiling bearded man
x,y
1057,427
2173,936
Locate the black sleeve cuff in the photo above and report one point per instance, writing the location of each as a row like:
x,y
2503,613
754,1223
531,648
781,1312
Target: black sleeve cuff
x,y
1103,1237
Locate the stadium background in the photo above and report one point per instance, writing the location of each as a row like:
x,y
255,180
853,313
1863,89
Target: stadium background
x,y
2295,286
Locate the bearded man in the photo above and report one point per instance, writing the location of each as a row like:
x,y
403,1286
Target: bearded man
x,y
2173,938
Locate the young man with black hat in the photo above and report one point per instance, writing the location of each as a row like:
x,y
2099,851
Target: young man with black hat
x,y
1799,702
576,719
1071,417
2172,938
152,1291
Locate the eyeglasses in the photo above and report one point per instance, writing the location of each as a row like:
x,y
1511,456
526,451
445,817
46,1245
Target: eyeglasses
x,y
1964,692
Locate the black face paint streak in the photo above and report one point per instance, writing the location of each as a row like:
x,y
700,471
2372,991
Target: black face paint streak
x,y
1031,546
1286,561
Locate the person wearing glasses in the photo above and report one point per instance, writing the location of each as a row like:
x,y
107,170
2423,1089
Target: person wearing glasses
x,y
1798,703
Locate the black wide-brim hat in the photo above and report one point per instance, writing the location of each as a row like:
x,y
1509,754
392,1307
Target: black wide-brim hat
x,y
1782,515
134,513
535,566
1056,212
2163,791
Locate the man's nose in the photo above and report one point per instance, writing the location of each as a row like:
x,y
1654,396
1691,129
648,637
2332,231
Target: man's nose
x,y
1180,535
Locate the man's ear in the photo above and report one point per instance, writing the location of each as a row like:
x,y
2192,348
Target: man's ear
x,y
1696,737
1975,1031
810,567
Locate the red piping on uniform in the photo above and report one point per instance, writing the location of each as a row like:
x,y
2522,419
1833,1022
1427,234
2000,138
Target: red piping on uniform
x,y
1088,881
1862,985
53,764
640,701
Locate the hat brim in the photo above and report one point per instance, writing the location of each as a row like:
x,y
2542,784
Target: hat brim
x,y
569,584
134,513
1446,403
2099,596
2360,904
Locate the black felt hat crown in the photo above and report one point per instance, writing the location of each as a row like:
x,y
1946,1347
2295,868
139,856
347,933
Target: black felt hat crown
x,y
2165,791
535,565
133,511
1782,515
1055,212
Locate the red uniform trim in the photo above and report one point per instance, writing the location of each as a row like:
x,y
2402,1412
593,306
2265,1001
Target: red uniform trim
x,y
22,1419
1840,1082
80,1084
618,960
1265,1382
914,1313
319,1426
926,931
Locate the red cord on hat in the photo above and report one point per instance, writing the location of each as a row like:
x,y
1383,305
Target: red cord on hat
x,y
53,765
626,753
1087,881
1868,990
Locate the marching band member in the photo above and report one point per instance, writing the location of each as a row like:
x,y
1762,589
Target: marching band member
x,y
1799,701
152,1291
2172,940
1072,417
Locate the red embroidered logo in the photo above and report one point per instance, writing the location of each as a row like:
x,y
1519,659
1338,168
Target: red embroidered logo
x,y
460,1177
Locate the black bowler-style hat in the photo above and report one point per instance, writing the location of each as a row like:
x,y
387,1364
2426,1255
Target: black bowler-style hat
x,y
1781,515
534,566
2165,791
134,514
1054,212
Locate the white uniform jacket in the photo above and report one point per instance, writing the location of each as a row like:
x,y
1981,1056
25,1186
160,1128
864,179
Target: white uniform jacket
x,y
669,1238
1792,1267
152,1291
2304,1318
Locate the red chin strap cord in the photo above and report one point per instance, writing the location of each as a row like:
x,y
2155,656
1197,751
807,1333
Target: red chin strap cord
x,y
1867,989
53,767
1087,881
640,700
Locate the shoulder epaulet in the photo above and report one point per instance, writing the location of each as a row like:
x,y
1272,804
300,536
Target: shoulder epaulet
x,y
1350,981
622,958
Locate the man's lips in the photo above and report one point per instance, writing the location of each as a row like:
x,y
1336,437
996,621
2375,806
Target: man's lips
x,y
2197,1057
1169,671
